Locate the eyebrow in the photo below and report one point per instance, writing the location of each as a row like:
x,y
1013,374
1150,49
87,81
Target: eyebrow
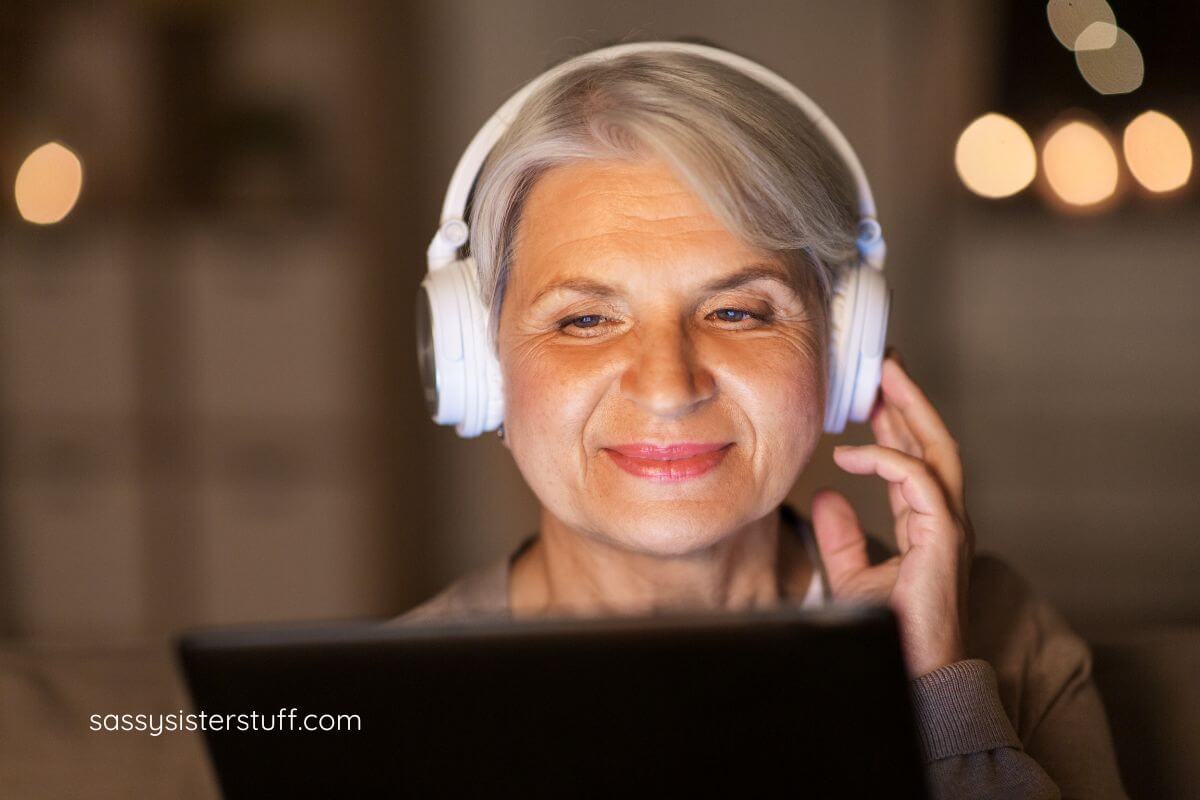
x,y
748,274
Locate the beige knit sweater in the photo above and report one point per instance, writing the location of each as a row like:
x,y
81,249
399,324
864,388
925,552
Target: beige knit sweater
x,y
1019,718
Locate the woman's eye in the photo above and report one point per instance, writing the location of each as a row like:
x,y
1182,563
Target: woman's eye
x,y
583,322
587,321
735,315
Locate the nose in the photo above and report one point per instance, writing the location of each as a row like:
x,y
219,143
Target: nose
x,y
666,376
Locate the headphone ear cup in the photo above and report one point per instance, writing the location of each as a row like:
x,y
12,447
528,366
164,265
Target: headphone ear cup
x,y
840,313
857,331
495,406
460,370
485,395
875,301
494,415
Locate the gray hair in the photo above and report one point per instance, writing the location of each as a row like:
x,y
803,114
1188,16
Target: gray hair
x,y
752,155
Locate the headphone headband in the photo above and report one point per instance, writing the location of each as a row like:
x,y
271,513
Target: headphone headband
x,y
453,232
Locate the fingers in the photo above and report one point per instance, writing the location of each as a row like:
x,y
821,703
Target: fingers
x,y
839,537
918,485
890,428
914,416
886,434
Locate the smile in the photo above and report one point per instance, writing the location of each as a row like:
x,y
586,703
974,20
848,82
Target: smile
x,y
668,464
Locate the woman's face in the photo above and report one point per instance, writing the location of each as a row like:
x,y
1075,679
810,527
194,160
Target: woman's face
x,y
632,316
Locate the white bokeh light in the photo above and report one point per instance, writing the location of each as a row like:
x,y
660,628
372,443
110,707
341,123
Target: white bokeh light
x,y
995,157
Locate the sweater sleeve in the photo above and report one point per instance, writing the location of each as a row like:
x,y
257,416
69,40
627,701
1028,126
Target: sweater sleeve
x,y
967,741
1022,717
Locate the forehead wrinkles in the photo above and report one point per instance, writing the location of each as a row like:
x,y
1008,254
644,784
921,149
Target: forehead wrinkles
x,y
601,212
600,207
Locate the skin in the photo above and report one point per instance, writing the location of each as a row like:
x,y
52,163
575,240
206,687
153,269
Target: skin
x,y
663,359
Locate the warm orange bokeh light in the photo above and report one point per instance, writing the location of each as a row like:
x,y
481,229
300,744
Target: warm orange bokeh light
x,y
1158,152
48,184
1080,164
995,156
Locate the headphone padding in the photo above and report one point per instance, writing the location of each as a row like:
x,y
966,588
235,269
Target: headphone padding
x,y
857,330
876,302
841,318
476,351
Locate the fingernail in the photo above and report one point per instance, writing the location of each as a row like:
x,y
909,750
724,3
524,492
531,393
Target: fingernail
x,y
895,355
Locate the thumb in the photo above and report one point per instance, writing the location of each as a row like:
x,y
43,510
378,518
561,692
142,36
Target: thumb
x,y
839,537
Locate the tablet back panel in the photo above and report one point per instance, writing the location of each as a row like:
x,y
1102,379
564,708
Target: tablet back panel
x,y
810,702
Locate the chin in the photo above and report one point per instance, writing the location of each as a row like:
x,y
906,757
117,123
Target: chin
x,y
669,529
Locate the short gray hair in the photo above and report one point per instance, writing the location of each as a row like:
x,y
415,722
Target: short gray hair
x,y
751,154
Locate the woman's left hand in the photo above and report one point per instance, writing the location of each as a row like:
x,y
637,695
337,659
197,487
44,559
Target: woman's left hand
x,y
926,583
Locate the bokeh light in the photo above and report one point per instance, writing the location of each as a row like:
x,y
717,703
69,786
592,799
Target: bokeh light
x,y
1080,164
1070,18
995,157
48,184
1097,36
1118,69
1157,151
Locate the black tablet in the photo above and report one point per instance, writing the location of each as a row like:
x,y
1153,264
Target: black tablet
x,y
807,703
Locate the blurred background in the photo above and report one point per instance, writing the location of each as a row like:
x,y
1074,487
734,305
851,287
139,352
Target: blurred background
x,y
213,218
209,401
213,224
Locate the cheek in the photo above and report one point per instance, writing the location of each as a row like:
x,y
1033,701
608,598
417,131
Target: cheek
x,y
786,393
782,392
548,401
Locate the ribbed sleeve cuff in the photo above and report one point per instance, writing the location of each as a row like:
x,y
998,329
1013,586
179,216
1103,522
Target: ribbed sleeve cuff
x,y
958,711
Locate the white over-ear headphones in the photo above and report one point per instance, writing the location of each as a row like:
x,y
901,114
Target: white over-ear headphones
x,y
459,369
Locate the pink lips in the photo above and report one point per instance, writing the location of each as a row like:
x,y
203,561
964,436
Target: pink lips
x,y
666,463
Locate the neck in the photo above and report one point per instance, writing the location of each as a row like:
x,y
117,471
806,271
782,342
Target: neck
x,y
567,572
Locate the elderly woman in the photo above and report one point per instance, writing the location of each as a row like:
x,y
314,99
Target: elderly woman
x,y
656,238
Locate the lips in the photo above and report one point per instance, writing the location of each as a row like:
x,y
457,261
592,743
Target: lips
x,y
672,462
